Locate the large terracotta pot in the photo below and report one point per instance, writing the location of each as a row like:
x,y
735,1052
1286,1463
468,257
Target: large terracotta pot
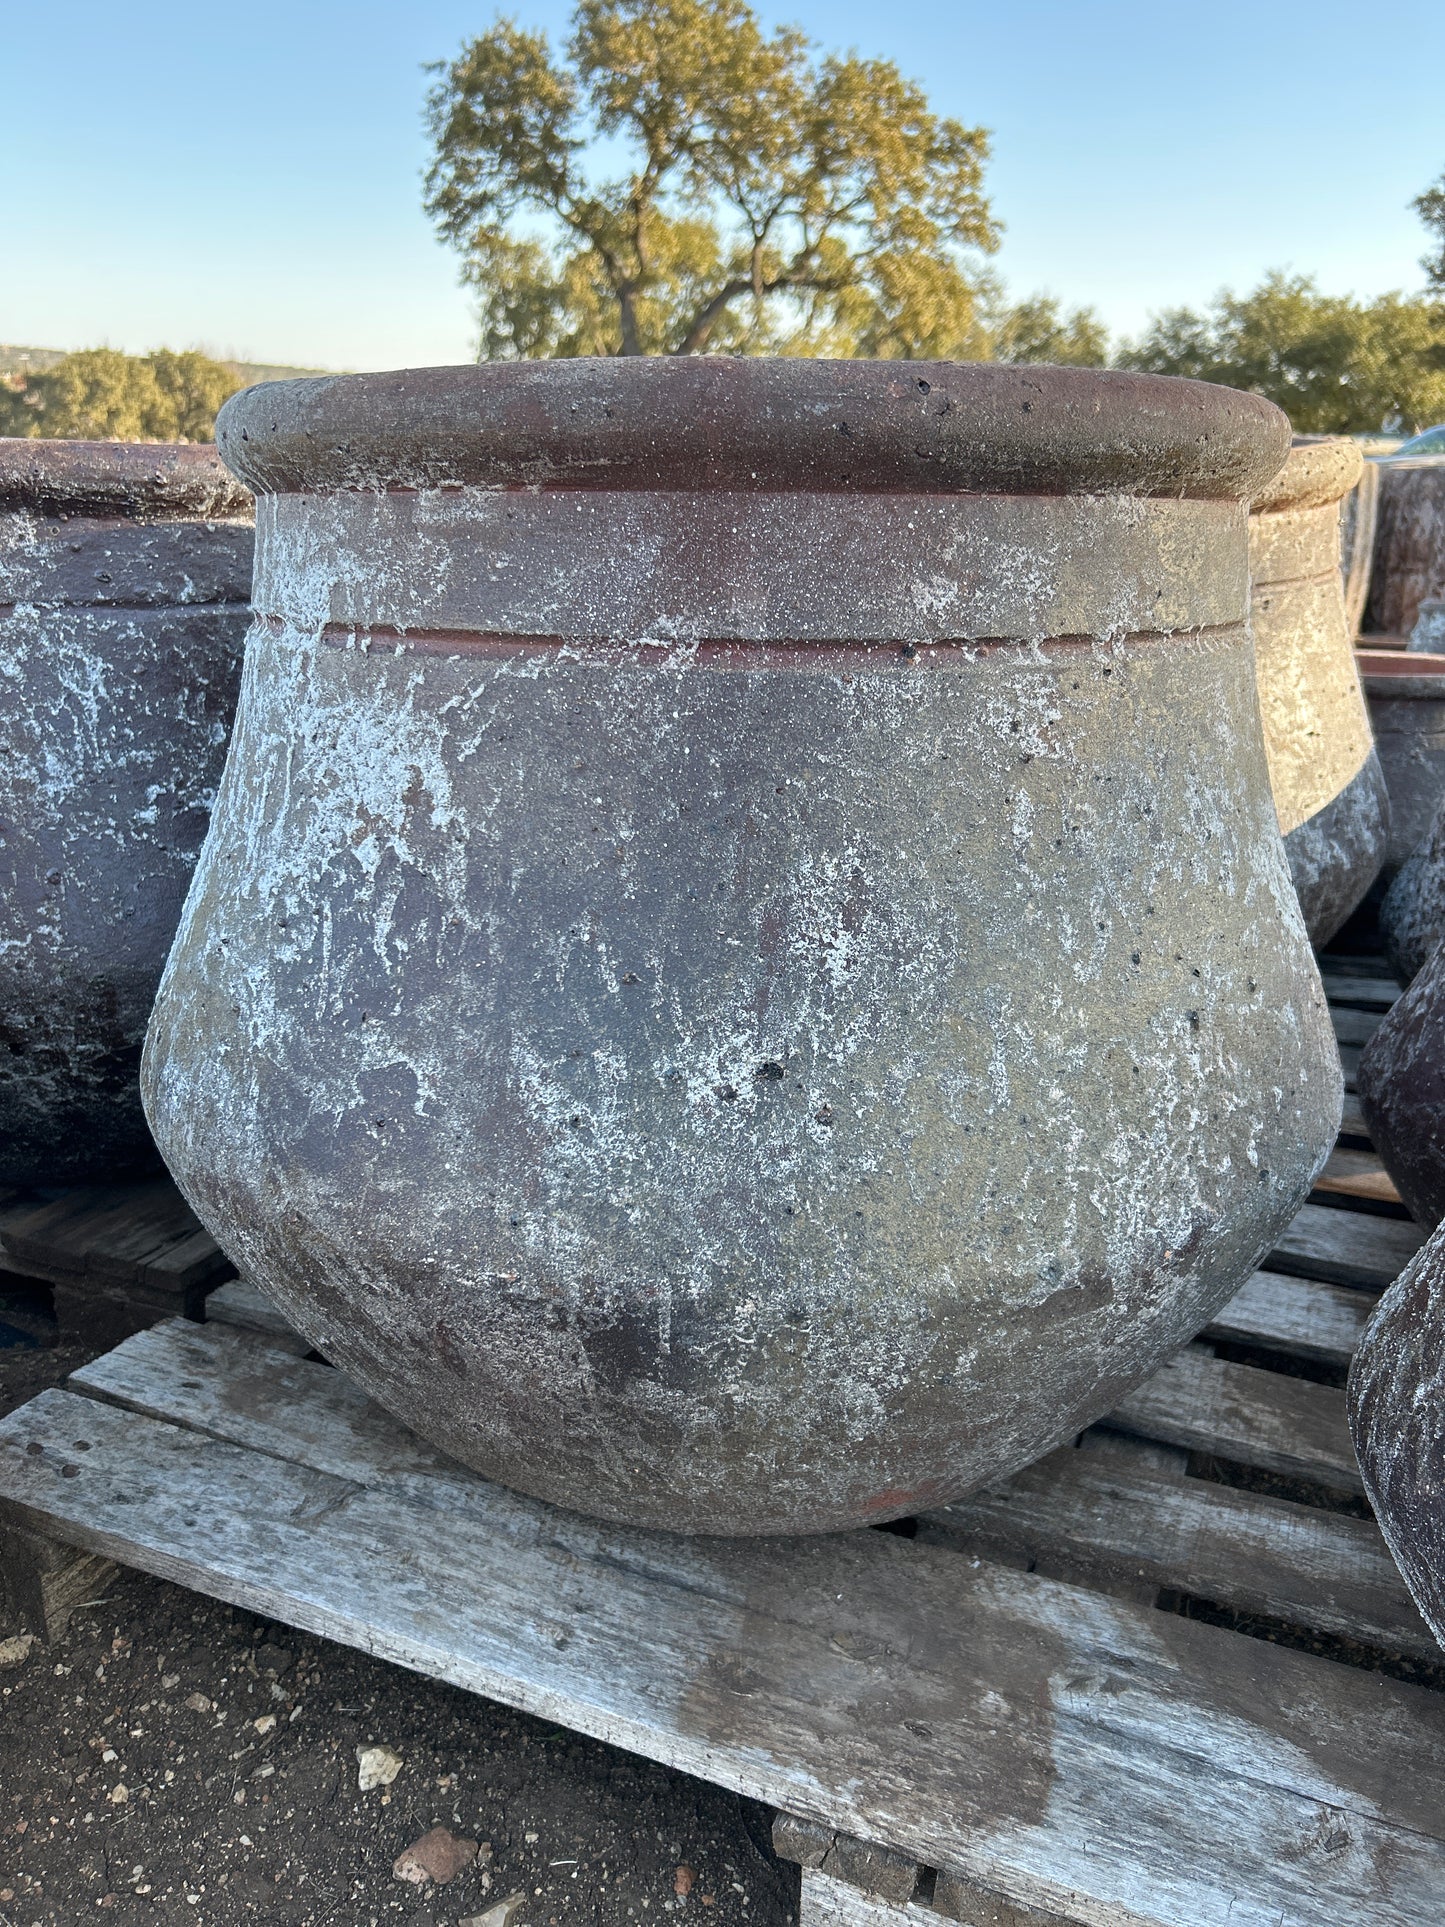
x,y
1396,1400
124,599
1406,695
744,976
1328,786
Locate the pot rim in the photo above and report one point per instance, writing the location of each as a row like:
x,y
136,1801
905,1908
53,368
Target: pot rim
x,y
133,481
756,423
1320,469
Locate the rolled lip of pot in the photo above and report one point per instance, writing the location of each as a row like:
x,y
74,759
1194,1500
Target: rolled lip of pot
x,y
132,481
733,422
1321,469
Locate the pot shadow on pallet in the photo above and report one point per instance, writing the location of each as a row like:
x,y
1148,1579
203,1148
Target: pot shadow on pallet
x,y
1166,1676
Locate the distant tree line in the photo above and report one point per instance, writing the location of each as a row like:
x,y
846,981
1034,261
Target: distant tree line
x,y
99,394
768,200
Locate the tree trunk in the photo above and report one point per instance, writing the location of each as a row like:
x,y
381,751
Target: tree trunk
x,y
1409,560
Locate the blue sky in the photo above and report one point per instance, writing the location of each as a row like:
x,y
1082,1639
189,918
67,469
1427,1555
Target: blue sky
x,y
248,179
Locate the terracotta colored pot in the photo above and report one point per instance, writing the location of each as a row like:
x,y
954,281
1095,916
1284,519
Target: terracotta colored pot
x,y
124,589
1397,1419
1406,695
744,977
1328,786
1401,1084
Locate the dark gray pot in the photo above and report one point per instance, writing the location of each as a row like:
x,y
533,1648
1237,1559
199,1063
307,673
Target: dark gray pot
x,y
1328,787
744,976
124,599
1397,1420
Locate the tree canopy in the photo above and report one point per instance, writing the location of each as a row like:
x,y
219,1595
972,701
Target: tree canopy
x,y
99,394
1430,206
1335,365
764,199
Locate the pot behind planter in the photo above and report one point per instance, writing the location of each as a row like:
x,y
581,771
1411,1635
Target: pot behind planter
x,y
1328,787
1401,1085
1412,915
755,986
1406,696
124,597
1396,1400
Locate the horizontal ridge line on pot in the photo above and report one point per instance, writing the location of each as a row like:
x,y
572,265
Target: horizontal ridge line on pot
x,y
701,422
713,651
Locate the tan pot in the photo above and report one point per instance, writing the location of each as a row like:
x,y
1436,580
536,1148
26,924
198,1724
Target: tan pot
x,y
1329,790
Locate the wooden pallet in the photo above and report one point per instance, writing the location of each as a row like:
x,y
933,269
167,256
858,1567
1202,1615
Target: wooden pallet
x,y
118,1256
1019,1716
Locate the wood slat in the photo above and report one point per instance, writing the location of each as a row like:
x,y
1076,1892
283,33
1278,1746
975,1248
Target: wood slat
x,y
1358,1174
1346,1247
1286,1425
113,1236
1355,1027
1302,1317
1063,1750
1078,1517
1351,990
1352,1119
241,1304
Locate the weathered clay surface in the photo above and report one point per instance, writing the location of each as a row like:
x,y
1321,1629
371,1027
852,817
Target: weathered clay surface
x,y
1401,1084
1397,1418
1406,696
1428,635
1329,790
1409,559
122,620
1412,915
699,1046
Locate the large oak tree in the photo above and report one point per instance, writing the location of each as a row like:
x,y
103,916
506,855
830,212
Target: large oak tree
x,y
680,180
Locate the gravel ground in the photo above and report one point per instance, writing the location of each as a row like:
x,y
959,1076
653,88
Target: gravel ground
x,y
174,1760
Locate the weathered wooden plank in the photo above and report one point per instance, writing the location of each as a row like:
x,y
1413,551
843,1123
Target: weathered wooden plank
x,y
1286,1425
1358,1174
1352,1120
113,1235
1353,990
43,1583
1300,1316
1345,1247
1373,967
1355,1027
241,1304
829,1901
1077,1517
1063,1751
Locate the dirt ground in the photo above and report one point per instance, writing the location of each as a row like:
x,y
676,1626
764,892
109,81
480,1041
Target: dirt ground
x,y
172,1760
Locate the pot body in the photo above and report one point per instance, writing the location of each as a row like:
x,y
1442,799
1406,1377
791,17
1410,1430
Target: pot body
x,y
1401,1083
1406,697
120,655
1409,556
1396,1400
1329,789
702,1035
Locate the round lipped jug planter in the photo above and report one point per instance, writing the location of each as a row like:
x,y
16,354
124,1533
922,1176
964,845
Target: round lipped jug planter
x,y
744,977
1329,789
125,575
